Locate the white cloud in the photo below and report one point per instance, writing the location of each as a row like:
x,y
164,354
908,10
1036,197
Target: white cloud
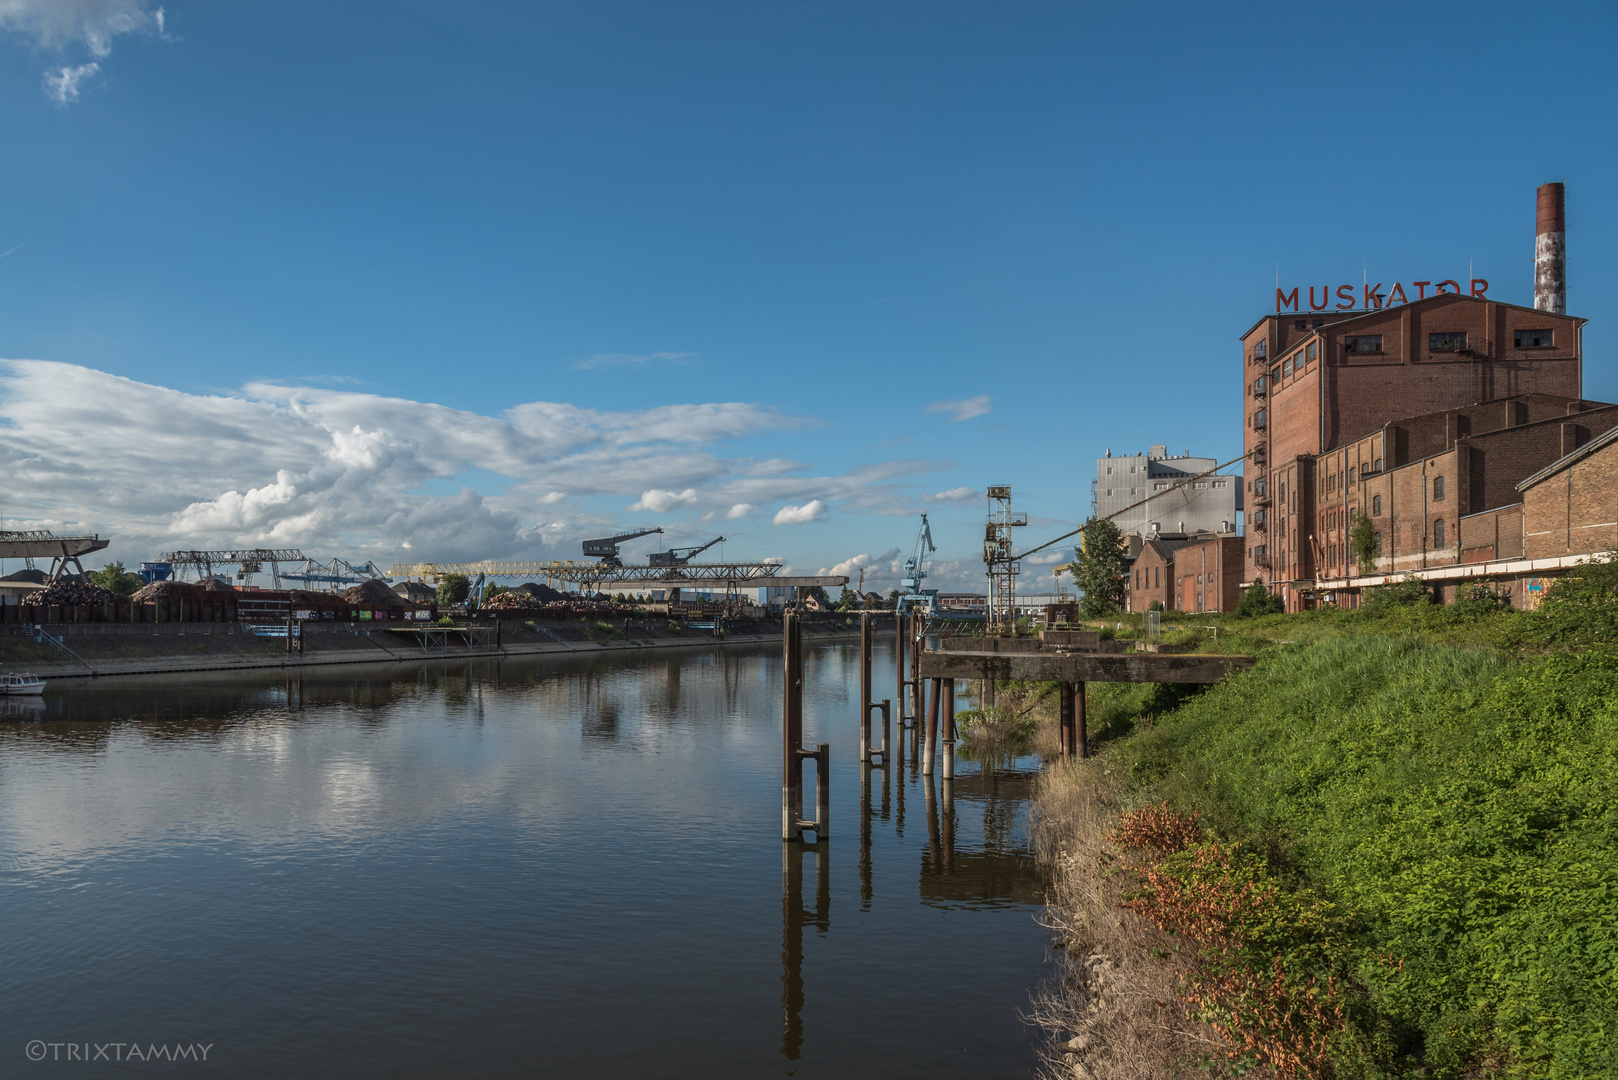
x,y
740,510
601,360
954,495
59,25
661,502
851,567
813,510
63,84
961,410
551,498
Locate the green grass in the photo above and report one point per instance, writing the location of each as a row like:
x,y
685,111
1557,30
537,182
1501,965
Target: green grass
x,y
1456,802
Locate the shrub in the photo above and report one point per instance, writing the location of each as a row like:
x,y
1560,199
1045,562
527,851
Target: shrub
x,y
1258,600
446,621
1407,593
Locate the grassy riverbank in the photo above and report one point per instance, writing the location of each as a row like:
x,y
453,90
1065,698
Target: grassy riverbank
x,y
1390,849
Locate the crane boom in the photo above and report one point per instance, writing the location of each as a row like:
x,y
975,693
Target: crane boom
x,y
680,556
606,548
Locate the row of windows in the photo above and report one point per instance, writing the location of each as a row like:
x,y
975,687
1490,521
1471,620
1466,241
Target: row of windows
x,y
1443,341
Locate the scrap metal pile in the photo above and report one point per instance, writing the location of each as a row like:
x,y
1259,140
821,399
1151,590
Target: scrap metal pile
x,y
68,594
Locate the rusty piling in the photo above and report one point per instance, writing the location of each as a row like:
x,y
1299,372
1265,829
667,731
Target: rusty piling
x,y
947,708
930,736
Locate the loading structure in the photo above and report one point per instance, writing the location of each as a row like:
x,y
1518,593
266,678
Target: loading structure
x,y
63,551
912,597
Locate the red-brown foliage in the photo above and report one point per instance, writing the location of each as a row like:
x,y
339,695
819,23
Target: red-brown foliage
x,y
1159,828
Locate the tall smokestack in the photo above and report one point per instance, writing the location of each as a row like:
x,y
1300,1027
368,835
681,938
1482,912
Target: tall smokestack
x,y
1550,252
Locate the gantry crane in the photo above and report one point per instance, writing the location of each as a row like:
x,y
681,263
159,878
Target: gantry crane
x,y
606,549
911,595
680,556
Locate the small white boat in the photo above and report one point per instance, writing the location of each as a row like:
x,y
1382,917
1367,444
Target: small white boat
x,y
21,684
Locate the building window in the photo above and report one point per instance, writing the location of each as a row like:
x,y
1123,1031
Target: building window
x,y
1309,351
1319,323
1378,465
1363,343
1438,488
1158,576
1532,339
1376,545
1286,367
1261,385
1376,506
1261,419
1300,324
1352,476
1446,342
1438,533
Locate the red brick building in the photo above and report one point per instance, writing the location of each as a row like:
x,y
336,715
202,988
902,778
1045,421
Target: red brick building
x,y
1565,513
1421,479
1200,573
1316,382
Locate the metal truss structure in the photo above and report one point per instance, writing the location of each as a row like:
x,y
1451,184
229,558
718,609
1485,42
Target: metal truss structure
x,y
1002,564
38,544
248,561
595,574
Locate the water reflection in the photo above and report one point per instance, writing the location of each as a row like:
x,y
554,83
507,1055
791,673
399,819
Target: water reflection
x,y
377,856
794,916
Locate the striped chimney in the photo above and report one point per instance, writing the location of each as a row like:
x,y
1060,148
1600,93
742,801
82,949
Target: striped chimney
x,y
1550,252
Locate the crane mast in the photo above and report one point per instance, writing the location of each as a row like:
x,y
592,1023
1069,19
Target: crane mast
x,y
912,597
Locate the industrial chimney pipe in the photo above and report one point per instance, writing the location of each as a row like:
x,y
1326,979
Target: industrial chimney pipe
x,y
1550,252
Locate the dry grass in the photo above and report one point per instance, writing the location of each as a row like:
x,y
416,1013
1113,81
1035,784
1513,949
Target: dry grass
x,y
1114,1010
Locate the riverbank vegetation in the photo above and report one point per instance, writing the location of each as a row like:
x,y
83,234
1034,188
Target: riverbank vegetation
x,y
1389,849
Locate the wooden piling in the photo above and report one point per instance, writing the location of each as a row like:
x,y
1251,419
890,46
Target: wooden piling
x,y
947,708
865,688
899,666
931,735
1064,717
791,727
1081,738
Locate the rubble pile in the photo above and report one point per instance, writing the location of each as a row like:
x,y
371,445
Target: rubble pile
x,y
69,593
171,590
375,593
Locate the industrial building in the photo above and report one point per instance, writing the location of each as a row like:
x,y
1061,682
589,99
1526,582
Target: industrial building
x,y
1322,387
1198,573
1174,508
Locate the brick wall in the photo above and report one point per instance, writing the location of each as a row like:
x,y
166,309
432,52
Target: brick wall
x,y
1574,511
1492,535
1151,578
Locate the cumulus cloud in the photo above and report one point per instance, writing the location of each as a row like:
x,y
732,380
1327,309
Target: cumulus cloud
x,y
961,410
883,565
740,510
953,495
813,510
298,466
661,502
63,25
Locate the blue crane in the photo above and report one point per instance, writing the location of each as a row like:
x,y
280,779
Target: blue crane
x,y
912,597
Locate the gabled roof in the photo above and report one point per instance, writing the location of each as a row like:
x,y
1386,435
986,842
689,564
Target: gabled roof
x,y
1605,439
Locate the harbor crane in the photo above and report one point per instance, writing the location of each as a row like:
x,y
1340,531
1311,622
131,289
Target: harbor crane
x,y
911,595
680,556
606,548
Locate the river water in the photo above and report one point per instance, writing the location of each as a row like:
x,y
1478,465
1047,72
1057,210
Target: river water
x,y
521,867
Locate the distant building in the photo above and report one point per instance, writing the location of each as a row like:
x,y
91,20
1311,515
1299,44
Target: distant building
x,y
1208,505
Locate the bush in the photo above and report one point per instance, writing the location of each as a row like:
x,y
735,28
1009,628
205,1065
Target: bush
x,y
1580,608
446,621
1407,593
453,589
1258,600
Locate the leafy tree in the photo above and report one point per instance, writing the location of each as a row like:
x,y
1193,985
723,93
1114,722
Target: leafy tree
x,y
492,591
116,580
1100,568
453,589
893,599
1362,542
1258,600
847,599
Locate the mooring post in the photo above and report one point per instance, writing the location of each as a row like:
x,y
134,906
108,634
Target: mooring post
x,y
988,694
1064,716
791,728
919,687
887,720
931,734
865,688
947,707
1081,738
822,826
899,665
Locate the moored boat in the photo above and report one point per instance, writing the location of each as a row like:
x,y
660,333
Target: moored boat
x,y
20,684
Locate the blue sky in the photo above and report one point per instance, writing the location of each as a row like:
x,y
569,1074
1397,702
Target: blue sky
x,y
294,228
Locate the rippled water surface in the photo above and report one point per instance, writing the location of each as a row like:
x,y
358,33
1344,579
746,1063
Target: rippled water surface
x,y
502,868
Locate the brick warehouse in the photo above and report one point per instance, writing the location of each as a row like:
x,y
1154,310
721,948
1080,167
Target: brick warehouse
x,y
1317,382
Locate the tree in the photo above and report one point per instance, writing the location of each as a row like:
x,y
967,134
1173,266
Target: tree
x,y
847,599
1258,600
492,591
893,599
1362,542
453,589
1100,568
116,580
